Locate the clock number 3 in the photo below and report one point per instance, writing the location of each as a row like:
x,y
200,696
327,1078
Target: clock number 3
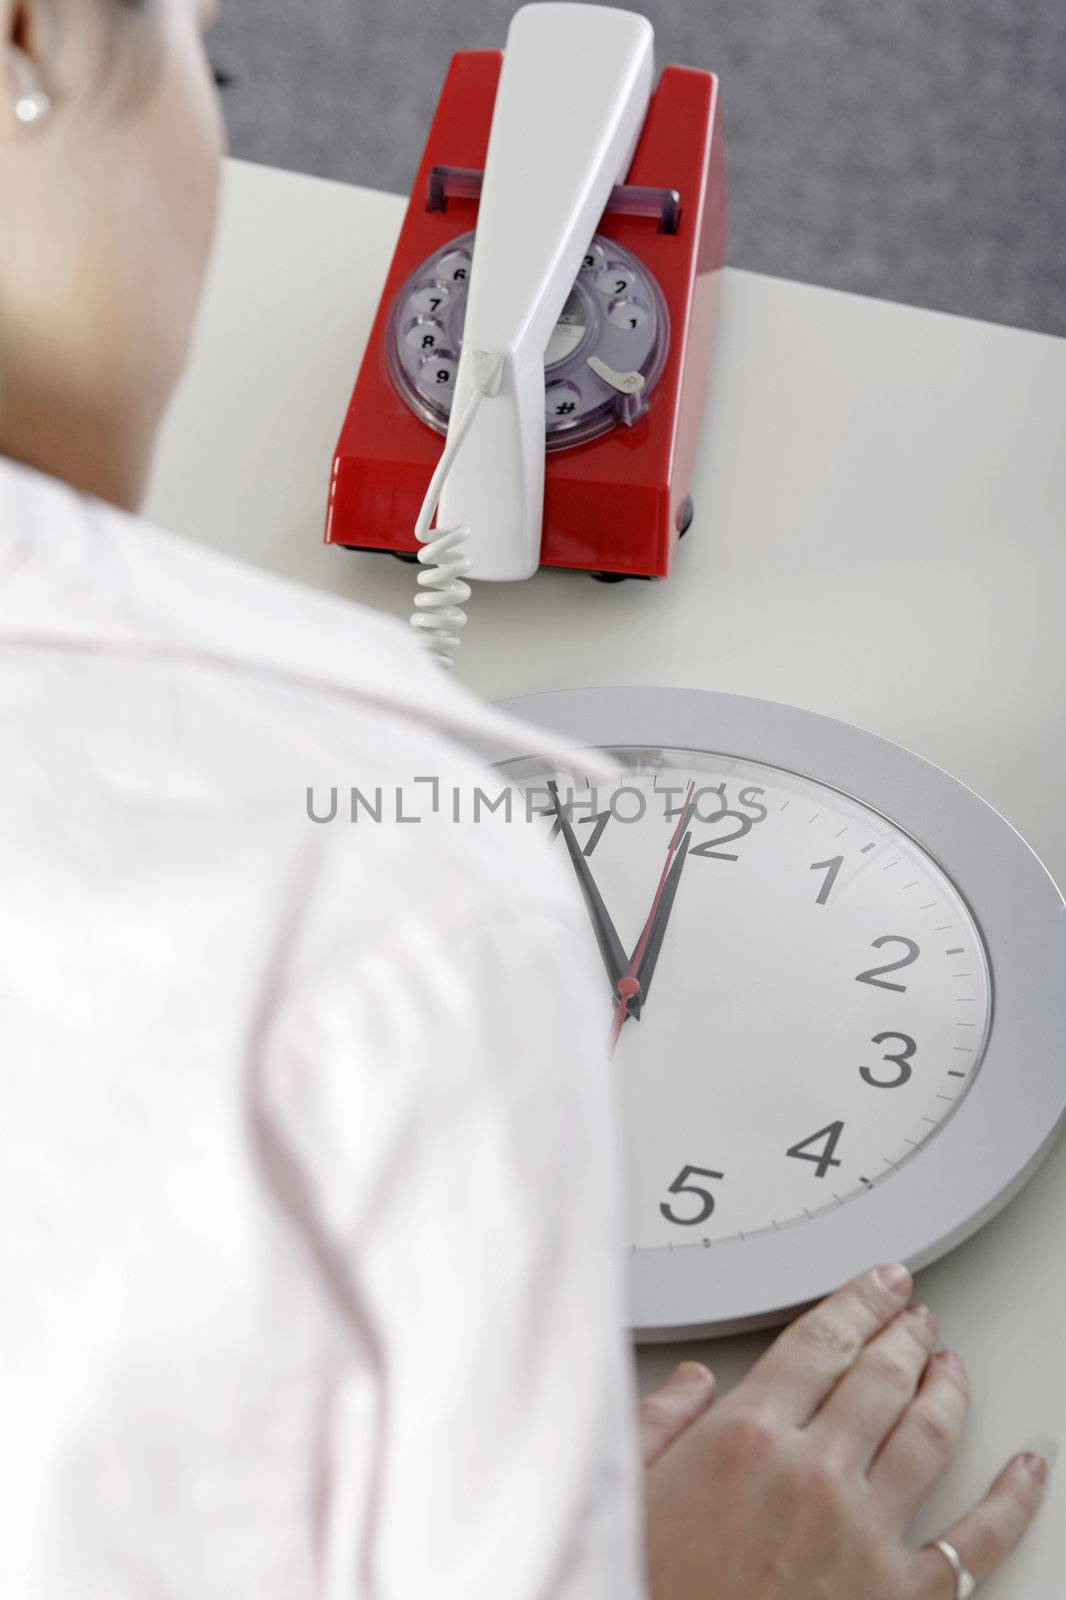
x,y
681,1185
901,1059
874,974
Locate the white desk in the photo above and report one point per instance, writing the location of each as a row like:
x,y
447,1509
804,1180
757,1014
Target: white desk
x,y
880,535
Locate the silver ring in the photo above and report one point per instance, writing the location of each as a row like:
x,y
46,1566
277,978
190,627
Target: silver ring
x,y
965,1582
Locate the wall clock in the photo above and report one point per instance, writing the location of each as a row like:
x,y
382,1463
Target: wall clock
x,y
833,989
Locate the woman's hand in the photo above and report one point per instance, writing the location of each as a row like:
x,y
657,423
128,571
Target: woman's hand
x,y
800,1483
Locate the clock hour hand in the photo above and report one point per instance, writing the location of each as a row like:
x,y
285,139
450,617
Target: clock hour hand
x,y
614,957
658,927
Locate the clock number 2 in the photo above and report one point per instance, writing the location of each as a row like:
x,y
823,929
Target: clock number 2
x,y
754,811
824,1158
873,975
681,1185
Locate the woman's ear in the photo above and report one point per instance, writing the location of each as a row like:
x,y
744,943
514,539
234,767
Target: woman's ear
x,y
24,101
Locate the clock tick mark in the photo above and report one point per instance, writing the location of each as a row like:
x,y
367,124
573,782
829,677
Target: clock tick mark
x,y
950,1097
786,805
891,864
931,1120
953,1074
807,1214
958,951
866,1181
867,847
817,814
913,885
967,1049
962,974
913,1142
944,926
841,834
929,907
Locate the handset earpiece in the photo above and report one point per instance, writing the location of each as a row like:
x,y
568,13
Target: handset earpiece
x,y
30,103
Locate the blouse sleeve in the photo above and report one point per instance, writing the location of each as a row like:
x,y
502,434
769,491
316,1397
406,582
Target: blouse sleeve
x,y
442,1124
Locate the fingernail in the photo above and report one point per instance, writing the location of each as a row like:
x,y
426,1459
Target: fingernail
x,y
694,1373
894,1277
950,1359
923,1313
1034,1465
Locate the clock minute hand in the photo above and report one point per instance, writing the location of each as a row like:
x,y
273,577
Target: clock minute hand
x,y
614,956
629,985
658,928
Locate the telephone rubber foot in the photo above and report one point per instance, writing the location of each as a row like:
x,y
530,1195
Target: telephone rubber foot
x,y
685,517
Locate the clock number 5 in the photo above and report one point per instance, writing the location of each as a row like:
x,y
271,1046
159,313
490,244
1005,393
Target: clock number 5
x,y
873,975
901,1059
681,1185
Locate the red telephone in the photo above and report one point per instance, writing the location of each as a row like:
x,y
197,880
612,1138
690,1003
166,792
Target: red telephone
x,y
594,336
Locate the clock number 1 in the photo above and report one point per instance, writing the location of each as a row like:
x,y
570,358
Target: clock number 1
x,y
830,868
681,1185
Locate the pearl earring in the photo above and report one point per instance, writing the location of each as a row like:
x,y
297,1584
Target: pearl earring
x,y
32,108
32,105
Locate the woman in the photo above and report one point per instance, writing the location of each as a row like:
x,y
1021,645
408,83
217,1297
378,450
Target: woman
x,y
308,1183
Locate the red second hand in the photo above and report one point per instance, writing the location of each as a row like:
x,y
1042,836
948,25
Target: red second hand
x,y
629,986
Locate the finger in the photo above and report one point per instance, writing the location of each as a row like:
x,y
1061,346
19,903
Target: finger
x,y
868,1402
797,1372
919,1450
670,1409
987,1533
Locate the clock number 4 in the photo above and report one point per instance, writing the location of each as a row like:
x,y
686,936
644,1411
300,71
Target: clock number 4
x,y
823,1158
681,1185
874,975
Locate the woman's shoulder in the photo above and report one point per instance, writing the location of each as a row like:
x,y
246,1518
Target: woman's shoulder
x,y
192,680
82,576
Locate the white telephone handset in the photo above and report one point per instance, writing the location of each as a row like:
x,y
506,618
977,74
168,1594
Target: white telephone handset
x,y
572,99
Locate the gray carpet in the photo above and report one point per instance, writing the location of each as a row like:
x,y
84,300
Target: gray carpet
x,y
910,149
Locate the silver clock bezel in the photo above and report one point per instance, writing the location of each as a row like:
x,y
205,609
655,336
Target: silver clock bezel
x,y
1009,1119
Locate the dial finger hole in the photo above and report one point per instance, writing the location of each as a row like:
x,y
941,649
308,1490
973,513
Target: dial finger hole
x,y
561,401
437,373
594,259
430,298
629,314
615,279
455,266
424,334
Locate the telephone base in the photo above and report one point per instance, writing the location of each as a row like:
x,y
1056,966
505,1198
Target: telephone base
x,y
614,504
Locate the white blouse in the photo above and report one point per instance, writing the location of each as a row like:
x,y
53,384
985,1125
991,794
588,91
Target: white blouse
x,y
310,1266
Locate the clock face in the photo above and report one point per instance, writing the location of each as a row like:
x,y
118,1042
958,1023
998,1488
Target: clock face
x,y
820,998
802,928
